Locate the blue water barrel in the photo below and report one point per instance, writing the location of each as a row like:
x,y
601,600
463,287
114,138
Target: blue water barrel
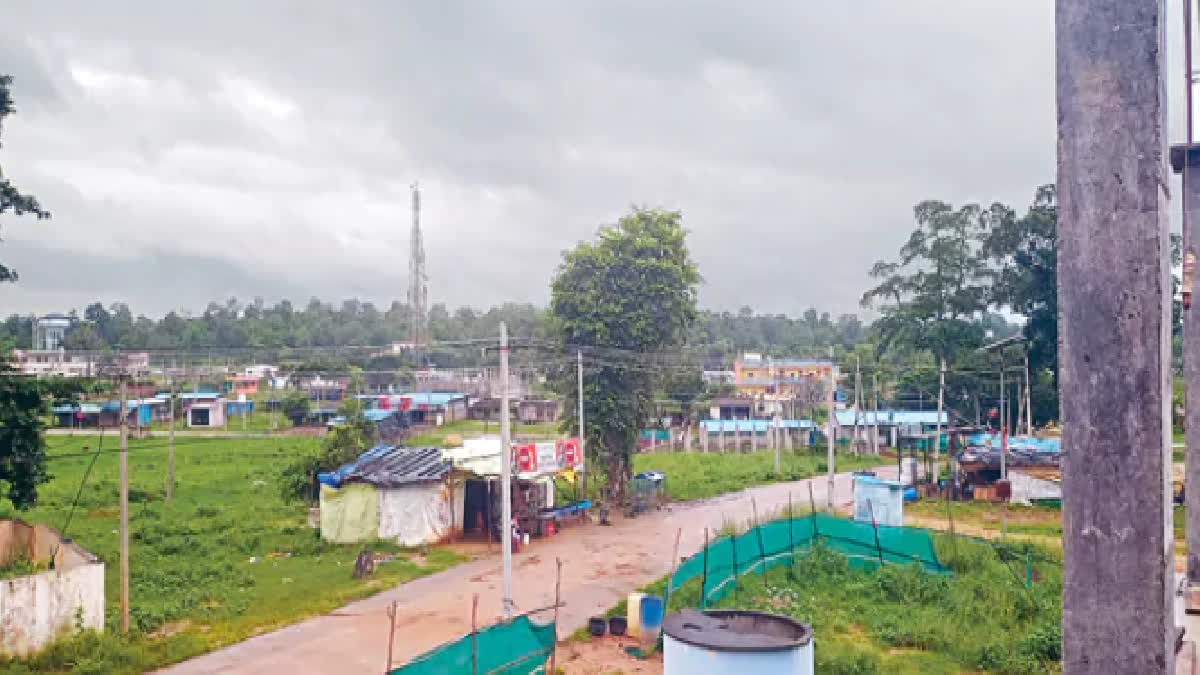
x,y
652,612
910,494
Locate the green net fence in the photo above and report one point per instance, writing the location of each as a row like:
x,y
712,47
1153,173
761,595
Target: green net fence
x,y
508,648
774,543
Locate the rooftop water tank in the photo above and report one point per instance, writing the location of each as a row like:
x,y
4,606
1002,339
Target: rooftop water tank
x,y
735,641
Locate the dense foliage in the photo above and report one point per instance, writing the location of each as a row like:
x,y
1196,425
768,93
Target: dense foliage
x,y
12,199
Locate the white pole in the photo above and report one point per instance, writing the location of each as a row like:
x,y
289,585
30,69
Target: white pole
x,y
171,446
937,440
1003,427
124,509
582,442
505,475
832,422
1028,405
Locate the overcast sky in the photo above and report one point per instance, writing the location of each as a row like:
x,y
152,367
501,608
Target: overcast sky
x,y
265,148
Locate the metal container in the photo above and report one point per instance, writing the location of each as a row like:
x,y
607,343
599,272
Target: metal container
x,y
735,641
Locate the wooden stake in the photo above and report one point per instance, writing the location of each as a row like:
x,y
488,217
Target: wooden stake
x,y
391,612
474,631
557,584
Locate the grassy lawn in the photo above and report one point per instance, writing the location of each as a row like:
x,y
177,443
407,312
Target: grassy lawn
x,y
698,475
441,436
193,585
904,620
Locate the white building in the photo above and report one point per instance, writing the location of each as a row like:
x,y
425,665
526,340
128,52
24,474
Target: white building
x,y
50,331
43,363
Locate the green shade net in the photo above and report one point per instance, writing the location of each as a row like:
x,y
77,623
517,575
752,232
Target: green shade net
x,y
508,648
774,543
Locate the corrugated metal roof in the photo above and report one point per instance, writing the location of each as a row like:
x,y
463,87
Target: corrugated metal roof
x,y
745,426
393,466
433,398
845,418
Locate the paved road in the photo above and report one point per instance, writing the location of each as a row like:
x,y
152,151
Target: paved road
x,y
601,565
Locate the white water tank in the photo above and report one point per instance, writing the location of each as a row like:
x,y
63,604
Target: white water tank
x,y
735,641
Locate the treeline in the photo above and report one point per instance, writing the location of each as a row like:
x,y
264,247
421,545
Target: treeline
x,y
233,324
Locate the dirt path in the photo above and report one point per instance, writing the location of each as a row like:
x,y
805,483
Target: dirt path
x,y
601,565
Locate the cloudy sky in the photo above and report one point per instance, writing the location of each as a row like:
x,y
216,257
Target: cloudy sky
x,y
265,148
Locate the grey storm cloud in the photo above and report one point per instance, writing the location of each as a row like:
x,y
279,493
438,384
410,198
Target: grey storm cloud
x,y
265,149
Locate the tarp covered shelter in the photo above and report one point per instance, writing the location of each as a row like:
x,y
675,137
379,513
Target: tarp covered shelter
x,y
391,492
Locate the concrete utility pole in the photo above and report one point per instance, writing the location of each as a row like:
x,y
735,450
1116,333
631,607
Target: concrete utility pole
x,y
875,418
937,439
124,408
505,475
1003,426
1028,395
857,398
582,436
1187,165
830,397
1114,290
171,446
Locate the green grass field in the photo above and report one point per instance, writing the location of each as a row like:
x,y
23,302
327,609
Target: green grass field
x,y
699,475
193,585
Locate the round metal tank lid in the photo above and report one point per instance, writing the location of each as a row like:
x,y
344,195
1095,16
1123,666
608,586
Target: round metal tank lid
x,y
735,630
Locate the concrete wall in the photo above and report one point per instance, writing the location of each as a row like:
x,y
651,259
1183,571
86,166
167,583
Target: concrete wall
x,y
1026,487
36,608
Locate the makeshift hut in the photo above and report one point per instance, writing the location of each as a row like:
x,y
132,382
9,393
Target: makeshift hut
x,y
406,495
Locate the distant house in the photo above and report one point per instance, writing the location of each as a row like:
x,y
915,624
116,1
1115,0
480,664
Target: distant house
x,y
892,424
54,362
138,412
434,407
731,409
77,416
260,371
206,413
319,389
241,385
537,411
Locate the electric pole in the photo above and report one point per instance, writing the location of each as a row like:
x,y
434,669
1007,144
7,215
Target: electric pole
x,y
1028,396
875,421
124,407
1003,425
830,397
505,475
582,436
937,439
171,446
1114,303
857,399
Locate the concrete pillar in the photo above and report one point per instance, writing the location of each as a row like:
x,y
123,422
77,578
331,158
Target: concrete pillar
x,y
721,437
1191,359
703,437
1114,291
787,438
753,437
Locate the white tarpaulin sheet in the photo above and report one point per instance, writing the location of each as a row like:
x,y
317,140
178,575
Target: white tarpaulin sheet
x,y
421,513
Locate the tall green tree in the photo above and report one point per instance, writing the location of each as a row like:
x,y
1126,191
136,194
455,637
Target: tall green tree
x,y
22,448
632,293
932,296
1024,252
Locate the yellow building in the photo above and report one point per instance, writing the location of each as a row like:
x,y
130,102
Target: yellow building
x,y
774,379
